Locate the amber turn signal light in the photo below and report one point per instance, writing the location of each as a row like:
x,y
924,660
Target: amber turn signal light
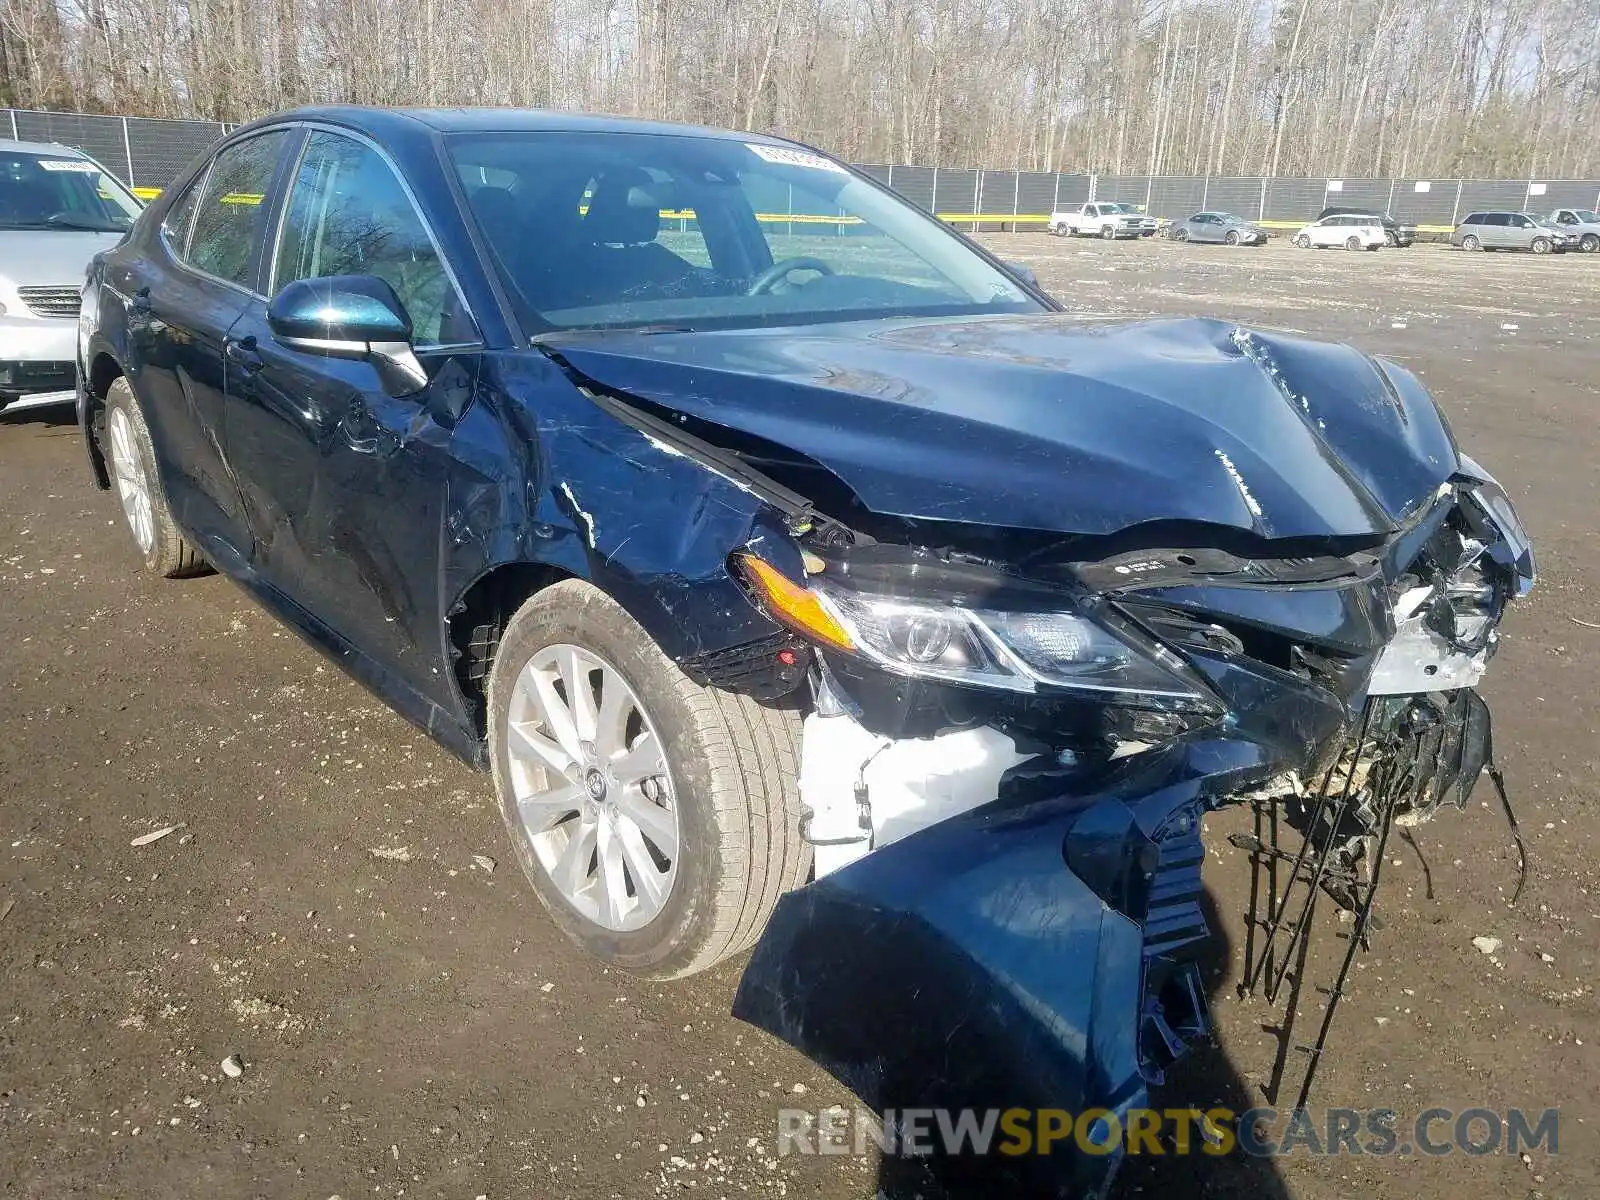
x,y
796,606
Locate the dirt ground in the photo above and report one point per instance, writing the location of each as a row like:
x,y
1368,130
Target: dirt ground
x,y
411,1024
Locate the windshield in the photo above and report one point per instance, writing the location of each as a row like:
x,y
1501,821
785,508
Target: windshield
x,y
1587,216
57,191
1121,208
628,230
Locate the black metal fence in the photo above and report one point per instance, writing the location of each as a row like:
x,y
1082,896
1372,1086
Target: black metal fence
x,y
147,154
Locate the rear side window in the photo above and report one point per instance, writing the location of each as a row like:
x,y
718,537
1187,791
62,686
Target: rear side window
x,y
1473,219
230,213
349,215
181,216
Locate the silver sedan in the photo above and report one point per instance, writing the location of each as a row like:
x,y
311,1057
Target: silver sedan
x,y
1220,227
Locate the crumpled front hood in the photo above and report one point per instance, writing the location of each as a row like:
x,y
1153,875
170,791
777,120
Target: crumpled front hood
x,y
1060,424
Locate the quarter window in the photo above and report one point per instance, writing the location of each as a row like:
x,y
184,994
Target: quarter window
x,y
181,215
349,215
229,216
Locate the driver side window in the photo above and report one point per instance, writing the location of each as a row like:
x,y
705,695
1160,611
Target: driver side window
x,y
348,215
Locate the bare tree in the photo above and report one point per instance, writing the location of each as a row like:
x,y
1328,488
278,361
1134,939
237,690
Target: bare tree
x,y
1293,87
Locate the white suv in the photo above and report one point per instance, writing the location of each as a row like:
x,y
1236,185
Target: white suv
x,y
58,208
1351,232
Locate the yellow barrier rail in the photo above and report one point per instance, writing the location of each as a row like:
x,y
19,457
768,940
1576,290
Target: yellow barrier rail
x,y
688,214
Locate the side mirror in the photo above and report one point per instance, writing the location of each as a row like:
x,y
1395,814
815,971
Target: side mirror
x,y
350,316
1023,272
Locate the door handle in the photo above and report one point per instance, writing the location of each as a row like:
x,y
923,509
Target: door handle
x,y
241,352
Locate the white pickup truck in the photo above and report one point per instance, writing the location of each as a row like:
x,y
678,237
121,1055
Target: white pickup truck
x,y
1102,218
1583,222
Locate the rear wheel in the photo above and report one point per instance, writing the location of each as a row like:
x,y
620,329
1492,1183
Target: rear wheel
x,y
1471,243
1352,242
658,821
1302,241
1390,239
132,460
1541,245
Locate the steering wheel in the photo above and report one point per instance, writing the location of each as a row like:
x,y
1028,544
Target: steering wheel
x,y
782,269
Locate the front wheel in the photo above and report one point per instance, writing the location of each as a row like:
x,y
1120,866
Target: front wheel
x,y
1302,241
1541,245
132,459
657,820
1181,235
1233,237
1108,232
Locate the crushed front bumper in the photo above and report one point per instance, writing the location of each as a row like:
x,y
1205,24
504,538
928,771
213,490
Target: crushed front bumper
x,y
1036,954
1037,943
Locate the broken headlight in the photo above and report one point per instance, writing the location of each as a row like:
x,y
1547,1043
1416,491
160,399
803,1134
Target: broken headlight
x,y
1022,651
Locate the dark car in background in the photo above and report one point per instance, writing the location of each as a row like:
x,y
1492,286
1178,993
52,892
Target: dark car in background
x,y
1395,233
743,552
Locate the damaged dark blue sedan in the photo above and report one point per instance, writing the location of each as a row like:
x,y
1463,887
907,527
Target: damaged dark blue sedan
x,y
761,535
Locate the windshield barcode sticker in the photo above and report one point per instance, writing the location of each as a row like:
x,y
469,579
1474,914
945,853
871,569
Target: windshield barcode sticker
x,y
784,157
68,164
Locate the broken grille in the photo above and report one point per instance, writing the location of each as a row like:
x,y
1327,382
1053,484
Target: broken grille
x,y
1409,756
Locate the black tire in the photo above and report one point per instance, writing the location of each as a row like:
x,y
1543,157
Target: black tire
x,y
1108,232
1390,239
169,555
1540,245
1182,235
1471,243
1233,237
735,778
1302,241
1589,243
1352,242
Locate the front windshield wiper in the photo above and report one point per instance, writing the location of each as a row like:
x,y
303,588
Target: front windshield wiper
x,y
84,223
602,330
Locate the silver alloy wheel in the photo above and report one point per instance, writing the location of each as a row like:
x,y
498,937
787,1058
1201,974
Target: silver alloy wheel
x,y
132,486
592,786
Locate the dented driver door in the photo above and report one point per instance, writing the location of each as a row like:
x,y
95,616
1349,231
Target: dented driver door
x,y
345,483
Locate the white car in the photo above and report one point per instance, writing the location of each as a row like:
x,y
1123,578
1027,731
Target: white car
x,y
1351,232
58,208
1103,219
